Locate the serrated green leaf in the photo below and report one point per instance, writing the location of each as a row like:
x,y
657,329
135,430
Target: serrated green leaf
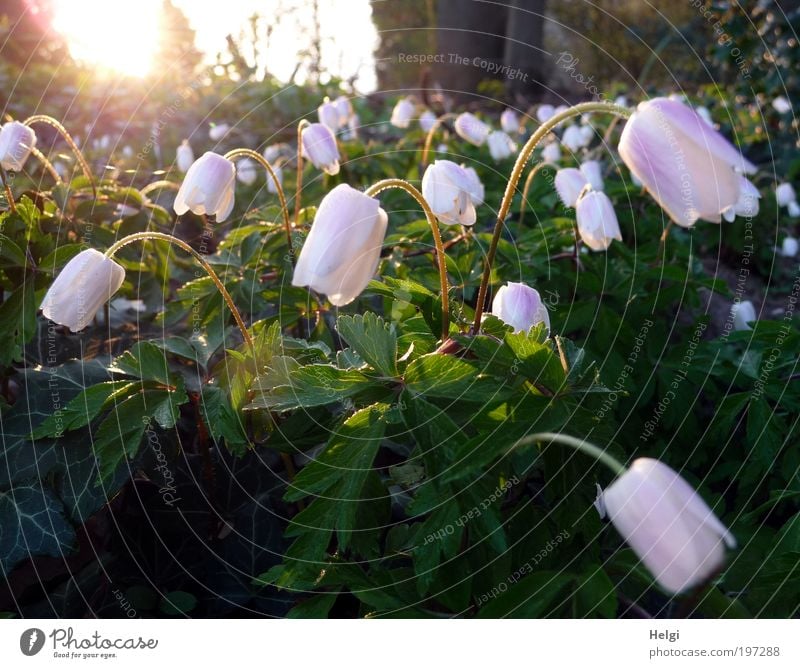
x,y
374,340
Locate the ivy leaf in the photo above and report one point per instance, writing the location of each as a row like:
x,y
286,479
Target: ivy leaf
x,y
31,523
374,340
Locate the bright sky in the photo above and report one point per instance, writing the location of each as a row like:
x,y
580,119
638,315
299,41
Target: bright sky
x,y
120,34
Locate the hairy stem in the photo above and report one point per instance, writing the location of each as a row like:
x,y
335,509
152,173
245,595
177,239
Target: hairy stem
x,y
159,185
46,164
298,191
578,444
437,240
528,182
9,195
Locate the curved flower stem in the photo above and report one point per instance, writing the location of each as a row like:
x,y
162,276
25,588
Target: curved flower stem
x,y
298,191
511,186
49,120
578,444
158,185
429,137
209,270
662,244
437,240
47,165
9,195
528,181
261,160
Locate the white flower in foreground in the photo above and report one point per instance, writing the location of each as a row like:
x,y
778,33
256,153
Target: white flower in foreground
x,y
747,206
344,108
520,306
687,166
217,132
545,112
447,188
551,153
573,138
427,120
785,194
319,145
509,121
403,113
247,171
85,283
208,187
343,248
501,145
789,247
667,524
593,173
271,187
184,156
328,115
781,105
597,221
477,192
743,313
472,129
17,141
569,184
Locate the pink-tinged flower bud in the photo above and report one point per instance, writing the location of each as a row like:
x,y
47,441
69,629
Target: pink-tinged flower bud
x,y
246,171
667,524
343,248
470,128
427,120
573,138
509,121
344,108
17,141
747,205
551,153
448,190
184,156
85,283
593,173
402,113
743,314
781,105
217,132
784,194
329,116
789,247
520,306
271,187
208,188
545,112
597,220
688,167
500,145
477,192
570,182
319,145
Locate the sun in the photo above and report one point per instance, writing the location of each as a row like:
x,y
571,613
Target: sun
x,y
115,35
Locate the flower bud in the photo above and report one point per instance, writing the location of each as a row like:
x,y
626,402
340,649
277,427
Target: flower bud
x,y
217,132
319,145
208,187
247,171
597,221
743,314
784,193
500,145
551,153
509,121
687,166
402,113
520,306
545,112
85,283
343,248
448,190
667,524
329,116
17,141
789,247
470,128
593,173
574,139
569,183
184,156
427,120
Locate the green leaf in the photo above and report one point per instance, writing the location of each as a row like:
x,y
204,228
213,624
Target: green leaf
x,y
374,340
447,377
529,598
221,419
11,255
146,361
178,603
31,523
